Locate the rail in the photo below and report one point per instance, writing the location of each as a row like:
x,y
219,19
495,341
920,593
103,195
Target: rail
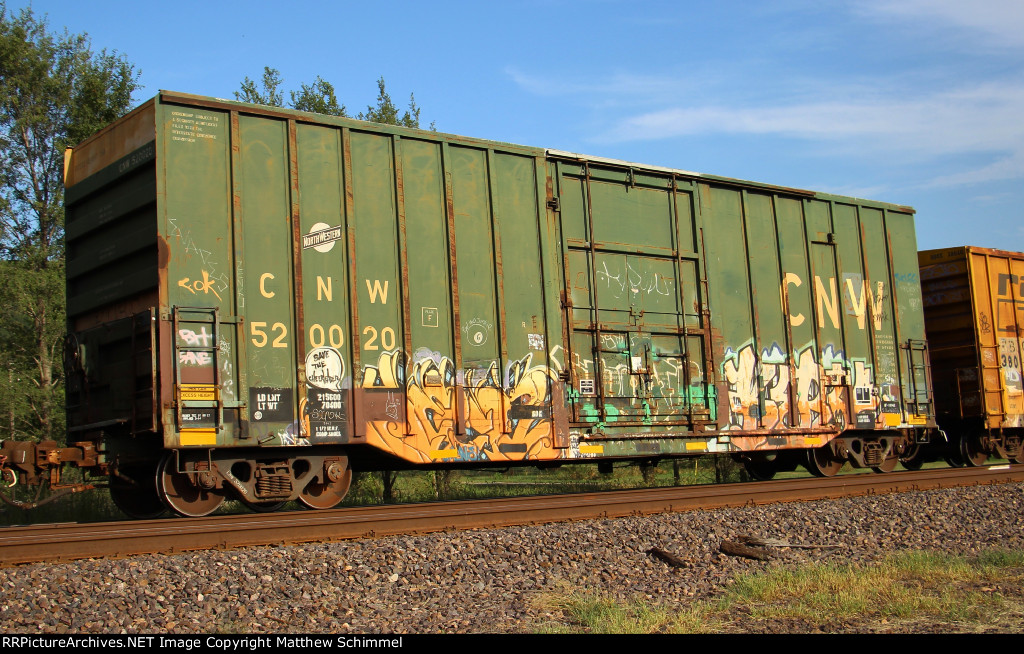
x,y
69,541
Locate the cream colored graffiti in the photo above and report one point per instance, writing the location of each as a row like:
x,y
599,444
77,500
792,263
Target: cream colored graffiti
x,y
741,373
386,374
776,376
777,392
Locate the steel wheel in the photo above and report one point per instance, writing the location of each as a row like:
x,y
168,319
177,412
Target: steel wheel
x,y
1018,456
328,491
888,465
954,460
136,496
760,466
952,455
1010,449
822,463
913,458
181,495
973,450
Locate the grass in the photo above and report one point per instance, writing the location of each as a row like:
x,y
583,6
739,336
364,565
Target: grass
x,y
426,486
905,593
572,611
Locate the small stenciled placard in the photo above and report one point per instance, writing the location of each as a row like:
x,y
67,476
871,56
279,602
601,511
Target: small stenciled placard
x,y
326,411
865,418
536,341
190,126
476,332
270,404
202,417
429,317
587,387
197,392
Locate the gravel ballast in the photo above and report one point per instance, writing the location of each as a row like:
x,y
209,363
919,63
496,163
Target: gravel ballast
x,y
488,580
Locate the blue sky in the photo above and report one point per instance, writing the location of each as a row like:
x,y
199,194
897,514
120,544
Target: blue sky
x,y
913,102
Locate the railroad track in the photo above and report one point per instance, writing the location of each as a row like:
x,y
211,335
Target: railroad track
x,y
69,541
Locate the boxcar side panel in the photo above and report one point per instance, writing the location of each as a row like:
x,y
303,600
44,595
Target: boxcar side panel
x,y
857,339
635,307
815,309
528,375
198,284
267,279
326,401
378,364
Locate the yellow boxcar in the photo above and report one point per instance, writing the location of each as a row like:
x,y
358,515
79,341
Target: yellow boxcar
x,y
974,316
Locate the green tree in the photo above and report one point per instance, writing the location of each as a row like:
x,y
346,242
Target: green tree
x,y
269,96
54,92
320,97
387,113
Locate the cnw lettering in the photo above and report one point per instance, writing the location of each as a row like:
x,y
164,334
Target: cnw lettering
x,y
376,290
859,294
324,288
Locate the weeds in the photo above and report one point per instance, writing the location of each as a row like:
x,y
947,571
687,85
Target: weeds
x,y
573,611
900,593
428,486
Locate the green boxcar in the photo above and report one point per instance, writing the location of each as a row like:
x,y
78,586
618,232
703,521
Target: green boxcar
x,y
261,299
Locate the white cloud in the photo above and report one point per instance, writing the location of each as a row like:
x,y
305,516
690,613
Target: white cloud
x,y
617,87
1011,167
983,118
926,108
988,22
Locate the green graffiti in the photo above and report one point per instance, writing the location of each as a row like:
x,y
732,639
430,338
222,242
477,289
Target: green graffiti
x,y
589,413
611,413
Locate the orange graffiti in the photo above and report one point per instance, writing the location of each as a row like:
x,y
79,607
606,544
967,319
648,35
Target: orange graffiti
x,y
479,419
